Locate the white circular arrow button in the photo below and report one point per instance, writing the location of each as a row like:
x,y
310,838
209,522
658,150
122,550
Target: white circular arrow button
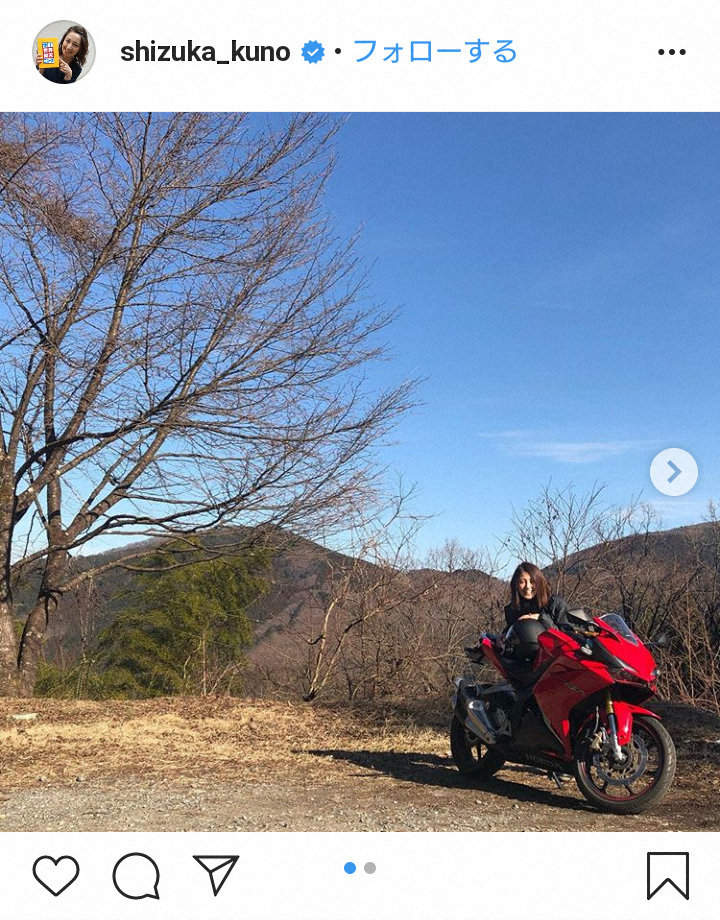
x,y
674,471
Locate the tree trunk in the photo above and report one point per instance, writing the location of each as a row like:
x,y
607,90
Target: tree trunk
x,y
37,623
9,683
9,674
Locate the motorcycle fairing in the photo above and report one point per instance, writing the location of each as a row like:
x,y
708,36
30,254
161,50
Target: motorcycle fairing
x,y
569,679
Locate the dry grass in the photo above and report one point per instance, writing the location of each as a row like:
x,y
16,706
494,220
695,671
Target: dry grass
x,y
253,741
194,764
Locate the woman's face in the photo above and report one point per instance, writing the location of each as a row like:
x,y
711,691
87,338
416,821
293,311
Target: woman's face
x,y
525,586
71,45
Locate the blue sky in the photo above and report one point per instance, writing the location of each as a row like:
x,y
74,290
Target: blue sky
x,y
559,286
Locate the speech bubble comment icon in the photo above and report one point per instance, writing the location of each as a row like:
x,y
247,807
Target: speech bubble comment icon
x,y
56,875
137,876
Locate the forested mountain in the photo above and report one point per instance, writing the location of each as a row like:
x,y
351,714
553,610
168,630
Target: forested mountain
x,y
329,621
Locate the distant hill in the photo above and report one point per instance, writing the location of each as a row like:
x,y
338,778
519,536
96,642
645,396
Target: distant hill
x,y
681,546
301,579
300,571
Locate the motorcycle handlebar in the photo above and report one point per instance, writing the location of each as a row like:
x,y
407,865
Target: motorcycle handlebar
x,y
586,629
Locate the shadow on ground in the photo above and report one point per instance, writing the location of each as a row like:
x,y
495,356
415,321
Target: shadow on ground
x,y
433,770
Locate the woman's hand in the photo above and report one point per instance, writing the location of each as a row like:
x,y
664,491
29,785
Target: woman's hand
x,y
65,69
38,60
529,616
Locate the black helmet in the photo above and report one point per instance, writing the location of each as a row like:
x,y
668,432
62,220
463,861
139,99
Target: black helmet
x,y
522,639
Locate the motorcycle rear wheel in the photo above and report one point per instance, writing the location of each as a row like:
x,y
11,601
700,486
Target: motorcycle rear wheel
x,y
618,790
470,755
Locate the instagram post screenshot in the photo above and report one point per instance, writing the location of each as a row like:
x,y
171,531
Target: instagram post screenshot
x,y
359,461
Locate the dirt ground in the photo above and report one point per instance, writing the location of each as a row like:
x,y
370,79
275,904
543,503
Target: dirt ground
x,y
229,765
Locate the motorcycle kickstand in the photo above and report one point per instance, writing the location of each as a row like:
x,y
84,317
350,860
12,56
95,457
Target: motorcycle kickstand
x,y
556,778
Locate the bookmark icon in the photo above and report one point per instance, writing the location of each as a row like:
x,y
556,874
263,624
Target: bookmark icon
x,y
668,869
218,868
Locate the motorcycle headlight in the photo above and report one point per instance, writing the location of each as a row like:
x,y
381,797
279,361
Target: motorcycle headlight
x,y
624,671
623,674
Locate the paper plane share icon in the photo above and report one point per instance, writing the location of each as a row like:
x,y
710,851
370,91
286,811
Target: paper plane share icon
x,y
218,868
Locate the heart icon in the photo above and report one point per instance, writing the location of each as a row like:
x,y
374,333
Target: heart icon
x,y
56,874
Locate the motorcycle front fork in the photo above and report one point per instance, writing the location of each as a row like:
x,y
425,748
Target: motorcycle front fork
x,y
612,727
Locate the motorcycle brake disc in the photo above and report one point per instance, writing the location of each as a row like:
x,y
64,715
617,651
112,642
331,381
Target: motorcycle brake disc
x,y
626,773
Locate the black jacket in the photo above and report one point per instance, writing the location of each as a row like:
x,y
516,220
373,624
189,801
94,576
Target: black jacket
x,y
554,614
55,75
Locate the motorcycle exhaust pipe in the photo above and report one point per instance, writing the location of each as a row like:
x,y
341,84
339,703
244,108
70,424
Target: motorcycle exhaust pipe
x,y
477,719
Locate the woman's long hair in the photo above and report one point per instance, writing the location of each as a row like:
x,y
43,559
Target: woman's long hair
x,y
81,56
542,588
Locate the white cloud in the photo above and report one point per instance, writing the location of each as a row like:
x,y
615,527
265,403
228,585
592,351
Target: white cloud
x,y
679,511
526,444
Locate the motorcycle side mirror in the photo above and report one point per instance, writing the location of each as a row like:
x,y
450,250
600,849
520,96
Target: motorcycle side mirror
x,y
580,615
662,640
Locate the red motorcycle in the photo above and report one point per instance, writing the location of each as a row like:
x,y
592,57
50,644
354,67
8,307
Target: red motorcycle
x,y
574,709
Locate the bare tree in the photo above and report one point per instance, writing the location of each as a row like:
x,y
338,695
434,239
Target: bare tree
x,y
419,648
616,558
553,529
184,342
357,590
378,623
593,553
691,665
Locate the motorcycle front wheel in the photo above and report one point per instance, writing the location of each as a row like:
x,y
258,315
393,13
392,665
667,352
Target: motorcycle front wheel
x,y
470,755
642,780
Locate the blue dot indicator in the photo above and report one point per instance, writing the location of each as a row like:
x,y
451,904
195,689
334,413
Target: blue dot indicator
x,y
350,868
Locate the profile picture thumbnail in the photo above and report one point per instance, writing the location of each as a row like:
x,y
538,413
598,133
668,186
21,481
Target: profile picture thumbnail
x,y
64,52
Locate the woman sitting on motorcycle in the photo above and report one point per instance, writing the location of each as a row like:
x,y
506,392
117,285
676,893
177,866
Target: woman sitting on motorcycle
x,y
532,609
